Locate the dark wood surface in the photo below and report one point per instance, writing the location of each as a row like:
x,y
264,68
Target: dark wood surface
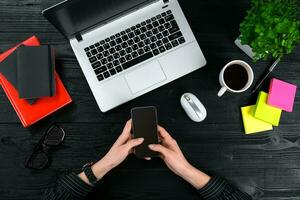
x,y
266,165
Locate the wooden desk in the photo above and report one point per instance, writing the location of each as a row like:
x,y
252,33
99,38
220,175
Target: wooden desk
x,y
266,165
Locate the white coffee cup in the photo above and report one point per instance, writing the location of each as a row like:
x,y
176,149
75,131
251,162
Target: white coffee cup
x,y
225,87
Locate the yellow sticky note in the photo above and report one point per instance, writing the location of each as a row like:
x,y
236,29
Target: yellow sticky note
x,y
266,112
252,124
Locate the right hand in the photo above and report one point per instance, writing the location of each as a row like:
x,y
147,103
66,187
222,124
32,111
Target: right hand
x,y
173,157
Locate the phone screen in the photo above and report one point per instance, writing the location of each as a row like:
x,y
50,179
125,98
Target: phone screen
x,y
144,125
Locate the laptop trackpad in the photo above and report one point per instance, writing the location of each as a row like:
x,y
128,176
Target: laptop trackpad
x,y
145,77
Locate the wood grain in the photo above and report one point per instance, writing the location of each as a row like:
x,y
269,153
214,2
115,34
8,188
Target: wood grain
x,y
266,165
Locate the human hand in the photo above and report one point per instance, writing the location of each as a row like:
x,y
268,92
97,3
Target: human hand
x,y
123,146
172,155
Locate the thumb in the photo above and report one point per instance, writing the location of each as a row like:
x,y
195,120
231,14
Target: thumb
x,y
159,148
134,142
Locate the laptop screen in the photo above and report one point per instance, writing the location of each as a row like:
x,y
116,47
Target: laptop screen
x,y
73,16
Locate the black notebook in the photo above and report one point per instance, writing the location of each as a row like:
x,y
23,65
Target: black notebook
x,y
31,71
35,74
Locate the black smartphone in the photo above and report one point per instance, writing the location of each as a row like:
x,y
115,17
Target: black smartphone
x,y
144,125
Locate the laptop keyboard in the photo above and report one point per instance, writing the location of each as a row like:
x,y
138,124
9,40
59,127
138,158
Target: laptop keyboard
x,y
134,45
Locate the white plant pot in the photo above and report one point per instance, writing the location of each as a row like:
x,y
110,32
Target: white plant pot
x,y
245,48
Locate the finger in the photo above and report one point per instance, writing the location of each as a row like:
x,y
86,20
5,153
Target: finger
x,y
125,135
147,158
163,133
159,148
134,142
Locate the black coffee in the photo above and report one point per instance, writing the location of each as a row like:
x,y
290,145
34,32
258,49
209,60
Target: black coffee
x,y
236,77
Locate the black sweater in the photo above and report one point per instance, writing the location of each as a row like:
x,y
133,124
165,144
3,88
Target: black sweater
x,y
71,187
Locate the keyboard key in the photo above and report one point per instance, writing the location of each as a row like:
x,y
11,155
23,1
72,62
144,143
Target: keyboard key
x,y
118,47
162,49
136,39
92,47
125,37
119,69
168,46
123,32
159,36
102,42
123,53
137,60
181,40
153,19
155,52
175,36
169,17
158,16
143,23
133,28
128,30
106,74
112,50
147,41
105,53
88,54
107,39
94,51
141,44
148,33
100,70
165,33
159,43
110,58
100,77
128,50
116,63
96,64
153,46
161,21
124,45
118,35
104,61
109,66
167,25
113,43
163,14
155,24
165,40
137,32
175,43
148,21
87,49
143,29
147,48
130,42
161,28
131,35
99,56
112,72
128,57
93,59
118,40
100,49
153,39
134,54
97,44
106,46
122,60
155,31
112,37
140,51
149,26
117,55
173,29
169,12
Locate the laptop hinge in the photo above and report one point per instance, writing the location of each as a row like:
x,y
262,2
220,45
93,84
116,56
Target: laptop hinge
x,y
166,1
78,37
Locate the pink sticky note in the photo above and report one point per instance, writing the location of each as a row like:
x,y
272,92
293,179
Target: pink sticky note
x,y
282,95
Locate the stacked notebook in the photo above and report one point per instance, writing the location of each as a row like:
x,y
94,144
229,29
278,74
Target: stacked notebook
x,y
32,102
269,106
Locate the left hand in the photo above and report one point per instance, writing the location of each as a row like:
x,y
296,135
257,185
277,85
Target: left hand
x,y
123,146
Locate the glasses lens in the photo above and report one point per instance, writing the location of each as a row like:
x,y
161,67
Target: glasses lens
x,y
54,136
38,160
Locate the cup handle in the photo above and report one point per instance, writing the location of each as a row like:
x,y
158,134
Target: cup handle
x,y
222,91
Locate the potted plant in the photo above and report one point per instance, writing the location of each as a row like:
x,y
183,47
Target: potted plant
x,y
270,29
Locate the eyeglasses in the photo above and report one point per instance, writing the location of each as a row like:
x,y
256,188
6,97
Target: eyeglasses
x,y
39,158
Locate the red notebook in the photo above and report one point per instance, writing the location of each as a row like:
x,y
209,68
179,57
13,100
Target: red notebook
x,y
30,114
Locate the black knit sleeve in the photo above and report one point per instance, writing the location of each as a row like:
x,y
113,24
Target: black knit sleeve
x,y
69,187
219,189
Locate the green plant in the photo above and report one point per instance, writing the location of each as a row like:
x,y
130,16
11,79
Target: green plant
x,y
271,28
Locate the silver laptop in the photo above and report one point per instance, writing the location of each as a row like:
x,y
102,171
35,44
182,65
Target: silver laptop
x,y
127,48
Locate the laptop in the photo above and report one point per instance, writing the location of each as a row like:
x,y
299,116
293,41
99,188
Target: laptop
x,y
127,48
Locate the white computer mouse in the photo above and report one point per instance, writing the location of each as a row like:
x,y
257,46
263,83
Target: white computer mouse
x,y
193,107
